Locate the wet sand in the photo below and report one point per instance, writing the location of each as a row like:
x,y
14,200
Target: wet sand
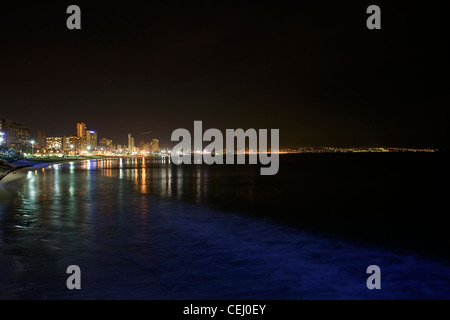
x,y
22,172
19,174
23,166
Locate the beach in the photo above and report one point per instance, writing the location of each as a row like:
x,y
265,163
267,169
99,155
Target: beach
x,y
8,166
16,171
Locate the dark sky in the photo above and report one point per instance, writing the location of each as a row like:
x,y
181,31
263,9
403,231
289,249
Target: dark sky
x,y
309,68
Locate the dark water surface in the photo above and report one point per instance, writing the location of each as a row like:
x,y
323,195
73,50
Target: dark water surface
x,y
147,229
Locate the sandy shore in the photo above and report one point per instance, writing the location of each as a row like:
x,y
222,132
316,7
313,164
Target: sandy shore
x,y
19,168
21,172
18,171
9,177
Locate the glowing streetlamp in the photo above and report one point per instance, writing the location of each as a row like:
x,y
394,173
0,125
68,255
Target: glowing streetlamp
x,y
1,137
32,146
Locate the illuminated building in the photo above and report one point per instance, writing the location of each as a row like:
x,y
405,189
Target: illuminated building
x,y
14,134
41,138
155,145
74,144
81,133
105,144
144,147
130,143
54,144
91,140
66,144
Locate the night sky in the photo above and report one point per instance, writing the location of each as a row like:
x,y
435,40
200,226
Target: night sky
x,y
309,68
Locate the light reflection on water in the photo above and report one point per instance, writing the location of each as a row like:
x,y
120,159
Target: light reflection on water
x,y
102,216
149,175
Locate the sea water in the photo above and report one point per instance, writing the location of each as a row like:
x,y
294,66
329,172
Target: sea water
x,y
142,228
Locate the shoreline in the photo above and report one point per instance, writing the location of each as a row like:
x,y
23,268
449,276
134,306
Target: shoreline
x,y
7,168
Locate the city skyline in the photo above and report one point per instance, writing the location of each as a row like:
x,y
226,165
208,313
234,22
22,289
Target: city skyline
x,y
81,142
16,135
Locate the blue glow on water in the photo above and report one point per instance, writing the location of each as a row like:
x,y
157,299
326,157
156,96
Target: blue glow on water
x,y
132,245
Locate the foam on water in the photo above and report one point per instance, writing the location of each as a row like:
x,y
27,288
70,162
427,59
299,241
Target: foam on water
x,y
131,245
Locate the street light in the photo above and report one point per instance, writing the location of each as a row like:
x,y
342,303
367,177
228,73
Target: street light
x,y
32,146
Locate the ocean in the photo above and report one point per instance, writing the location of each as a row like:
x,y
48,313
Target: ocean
x,y
144,228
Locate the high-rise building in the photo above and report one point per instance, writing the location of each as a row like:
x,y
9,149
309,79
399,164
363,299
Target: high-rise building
x,y
144,147
54,144
130,143
81,129
81,133
73,144
14,134
105,144
155,145
91,140
66,143
41,138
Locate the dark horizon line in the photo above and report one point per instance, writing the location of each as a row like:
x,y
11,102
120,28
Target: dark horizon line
x,y
33,134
